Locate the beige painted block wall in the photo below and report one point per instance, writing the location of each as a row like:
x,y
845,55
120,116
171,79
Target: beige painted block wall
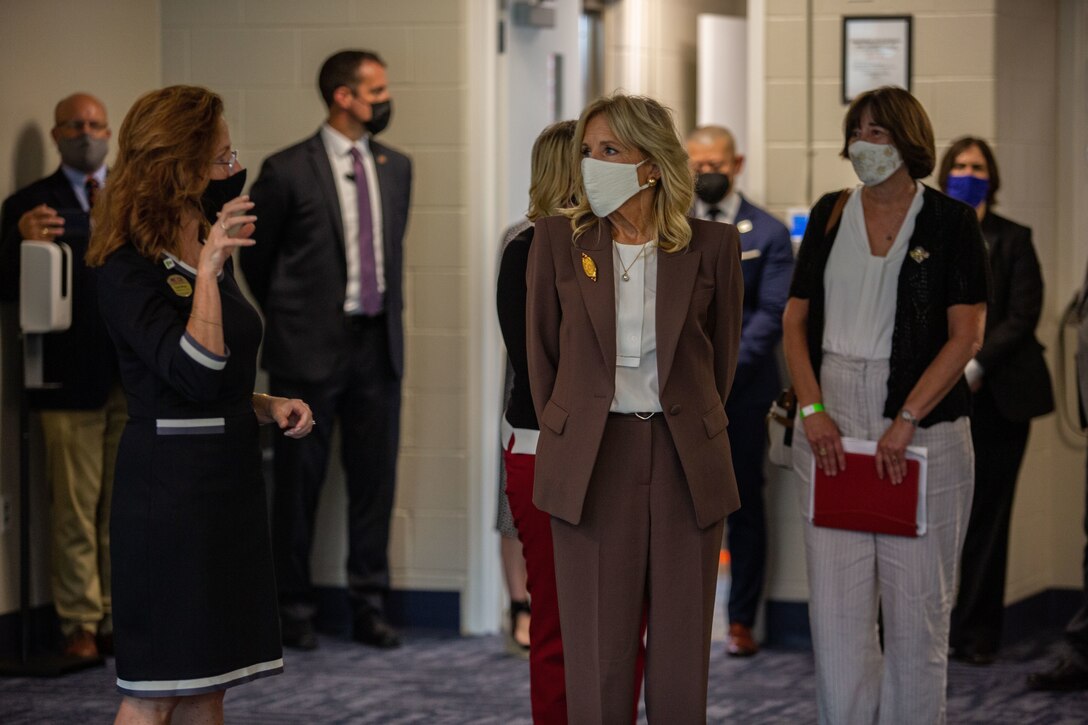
x,y
49,49
263,56
983,67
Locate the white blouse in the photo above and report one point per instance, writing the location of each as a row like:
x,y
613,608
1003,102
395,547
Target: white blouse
x,y
637,387
861,288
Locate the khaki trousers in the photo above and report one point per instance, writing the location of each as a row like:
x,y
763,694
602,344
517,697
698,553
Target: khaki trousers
x,y
80,453
637,548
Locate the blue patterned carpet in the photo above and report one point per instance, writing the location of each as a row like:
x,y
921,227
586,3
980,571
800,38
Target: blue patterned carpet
x,y
440,679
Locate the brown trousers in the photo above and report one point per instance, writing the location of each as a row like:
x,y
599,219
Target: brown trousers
x,y
80,452
637,546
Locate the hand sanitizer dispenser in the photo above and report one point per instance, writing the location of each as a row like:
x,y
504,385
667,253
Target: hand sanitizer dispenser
x,y
45,300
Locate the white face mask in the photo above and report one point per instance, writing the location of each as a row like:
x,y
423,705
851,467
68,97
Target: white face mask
x,y
609,184
874,162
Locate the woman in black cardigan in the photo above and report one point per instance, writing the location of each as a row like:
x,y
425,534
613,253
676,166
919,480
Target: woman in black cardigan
x,y
1010,385
886,307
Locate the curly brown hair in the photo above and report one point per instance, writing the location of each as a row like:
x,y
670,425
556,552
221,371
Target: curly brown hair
x,y
165,147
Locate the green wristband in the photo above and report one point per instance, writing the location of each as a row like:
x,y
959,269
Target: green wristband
x,y
811,410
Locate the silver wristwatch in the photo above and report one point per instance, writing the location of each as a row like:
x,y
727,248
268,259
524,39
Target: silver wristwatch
x,y
908,416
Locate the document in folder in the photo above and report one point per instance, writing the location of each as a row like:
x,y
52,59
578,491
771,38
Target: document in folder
x,y
857,500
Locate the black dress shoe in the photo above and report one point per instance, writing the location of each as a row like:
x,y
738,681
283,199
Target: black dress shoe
x,y
372,629
1067,675
298,633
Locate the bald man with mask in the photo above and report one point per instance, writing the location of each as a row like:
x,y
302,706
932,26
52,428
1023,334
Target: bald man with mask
x,y
82,408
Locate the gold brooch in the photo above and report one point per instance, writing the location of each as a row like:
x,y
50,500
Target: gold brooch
x,y
919,255
589,267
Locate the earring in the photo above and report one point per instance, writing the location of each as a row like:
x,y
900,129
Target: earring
x,y
652,181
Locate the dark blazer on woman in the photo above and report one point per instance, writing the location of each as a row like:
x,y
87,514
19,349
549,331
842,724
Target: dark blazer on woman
x,y
572,358
1011,355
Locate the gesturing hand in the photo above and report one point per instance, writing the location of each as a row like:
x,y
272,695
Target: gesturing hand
x,y
292,415
219,244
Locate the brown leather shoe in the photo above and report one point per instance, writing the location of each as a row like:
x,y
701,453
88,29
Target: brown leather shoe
x,y
81,644
739,642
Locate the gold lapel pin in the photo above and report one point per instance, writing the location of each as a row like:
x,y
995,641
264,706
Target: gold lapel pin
x,y
381,159
589,267
919,255
744,226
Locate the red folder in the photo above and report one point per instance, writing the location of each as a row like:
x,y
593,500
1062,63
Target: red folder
x,y
857,500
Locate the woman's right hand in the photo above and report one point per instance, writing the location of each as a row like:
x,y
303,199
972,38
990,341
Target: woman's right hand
x,y
220,245
825,441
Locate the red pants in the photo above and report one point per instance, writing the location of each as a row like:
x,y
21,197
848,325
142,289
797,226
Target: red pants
x,y
546,674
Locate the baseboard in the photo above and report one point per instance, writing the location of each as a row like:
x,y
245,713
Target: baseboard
x,y
437,610
429,609
787,622
44,631
1049,609
786,625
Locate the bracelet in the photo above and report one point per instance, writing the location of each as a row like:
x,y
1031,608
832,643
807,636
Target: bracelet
x,y
201,319
811,410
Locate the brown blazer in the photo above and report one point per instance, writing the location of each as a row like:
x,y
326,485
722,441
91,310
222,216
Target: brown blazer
x,y
571,331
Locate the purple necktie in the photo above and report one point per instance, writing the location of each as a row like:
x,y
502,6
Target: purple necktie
x,y
370,300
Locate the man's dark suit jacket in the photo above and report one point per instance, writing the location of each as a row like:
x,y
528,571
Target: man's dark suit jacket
x,y
571,332
767,264
1011,356
82,358
297,269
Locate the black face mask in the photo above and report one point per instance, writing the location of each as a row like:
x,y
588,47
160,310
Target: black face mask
x,y
379,117
219,192
712,187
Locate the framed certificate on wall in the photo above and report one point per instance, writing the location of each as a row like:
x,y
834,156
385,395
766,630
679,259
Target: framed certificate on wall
x,y
876,52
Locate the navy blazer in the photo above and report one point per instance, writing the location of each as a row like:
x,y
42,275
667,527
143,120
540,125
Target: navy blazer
x,y
82,358
767,265
1011,356
297,270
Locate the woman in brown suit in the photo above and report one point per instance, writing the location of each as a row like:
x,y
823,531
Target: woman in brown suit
x,y
634,314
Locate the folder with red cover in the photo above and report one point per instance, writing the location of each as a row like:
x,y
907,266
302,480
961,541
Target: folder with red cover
x,y
857,500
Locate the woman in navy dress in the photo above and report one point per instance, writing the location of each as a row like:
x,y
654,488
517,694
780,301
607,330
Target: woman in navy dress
x,y
194,588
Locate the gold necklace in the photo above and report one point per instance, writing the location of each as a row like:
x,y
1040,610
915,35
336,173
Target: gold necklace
x,y
627,268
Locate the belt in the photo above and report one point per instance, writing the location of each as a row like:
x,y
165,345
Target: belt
x,y
646,415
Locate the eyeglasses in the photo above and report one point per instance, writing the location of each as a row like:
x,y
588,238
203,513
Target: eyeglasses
x,y
230,163
75,125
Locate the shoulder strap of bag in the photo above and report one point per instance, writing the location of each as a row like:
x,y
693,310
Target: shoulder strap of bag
x,y
836,211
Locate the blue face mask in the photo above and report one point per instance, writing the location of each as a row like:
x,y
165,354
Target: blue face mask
x,y
971,190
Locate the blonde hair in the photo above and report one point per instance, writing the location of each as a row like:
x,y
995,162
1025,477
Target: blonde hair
x,y
645,124
553,171
165,147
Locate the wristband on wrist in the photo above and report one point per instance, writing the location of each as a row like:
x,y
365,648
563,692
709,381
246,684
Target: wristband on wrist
x,y
811,410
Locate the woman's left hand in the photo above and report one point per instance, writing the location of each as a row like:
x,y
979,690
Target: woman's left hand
x,y
292,415
891,450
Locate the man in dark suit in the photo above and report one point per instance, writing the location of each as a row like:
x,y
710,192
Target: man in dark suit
x,y
82,408
1070,672
767,264
1010,385
328,275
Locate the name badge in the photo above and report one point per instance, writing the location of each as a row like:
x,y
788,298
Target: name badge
x,y
180,285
